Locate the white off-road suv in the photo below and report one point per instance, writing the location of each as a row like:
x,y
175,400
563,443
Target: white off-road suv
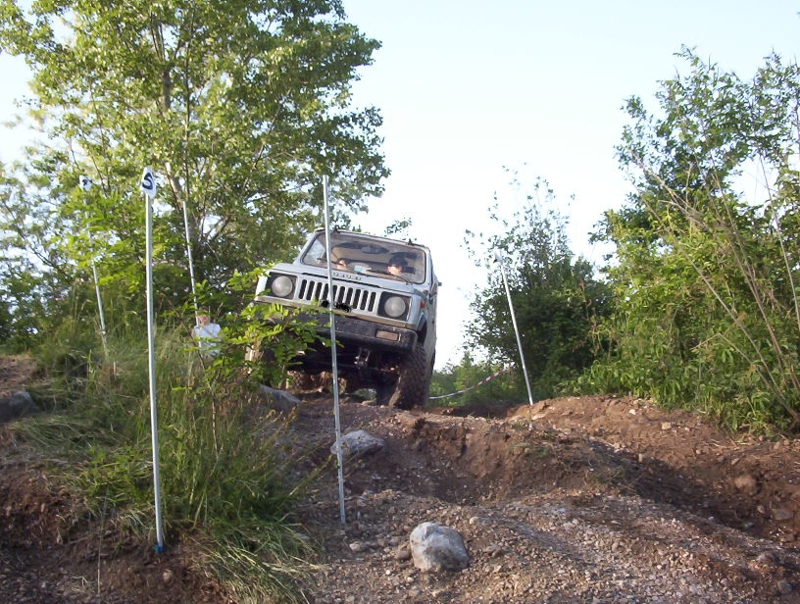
x,y
384,299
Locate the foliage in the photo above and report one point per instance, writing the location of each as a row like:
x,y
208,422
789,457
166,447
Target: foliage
x,y
398,228
708,315
277,333
27,298
228,473
239,107
467,375
556,299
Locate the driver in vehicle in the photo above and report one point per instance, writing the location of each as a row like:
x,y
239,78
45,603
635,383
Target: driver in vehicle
x,y
396,266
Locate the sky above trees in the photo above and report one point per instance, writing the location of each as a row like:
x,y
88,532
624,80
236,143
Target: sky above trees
x,y
467,88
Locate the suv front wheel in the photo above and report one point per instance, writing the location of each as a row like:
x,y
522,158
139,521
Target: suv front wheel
x,y
410,388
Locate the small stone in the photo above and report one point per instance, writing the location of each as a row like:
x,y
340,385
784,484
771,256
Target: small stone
x,y
746,483
17,405
166,576
782,514
666,425
784,587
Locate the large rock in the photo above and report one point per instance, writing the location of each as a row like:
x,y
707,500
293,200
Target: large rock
x,y
435,547
17,405
280,400
359,442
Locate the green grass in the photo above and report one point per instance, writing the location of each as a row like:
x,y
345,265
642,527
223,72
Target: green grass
x,y
225,462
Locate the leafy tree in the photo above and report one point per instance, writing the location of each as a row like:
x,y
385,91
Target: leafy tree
x,y
239,107
29,296
556,298
708,315
467,377
398,228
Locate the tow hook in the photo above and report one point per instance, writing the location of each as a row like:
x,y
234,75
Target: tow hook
x,y
362,358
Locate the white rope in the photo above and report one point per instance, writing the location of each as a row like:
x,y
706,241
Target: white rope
x,y
481,383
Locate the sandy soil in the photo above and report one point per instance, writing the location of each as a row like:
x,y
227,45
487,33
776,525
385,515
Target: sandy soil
x,y
592,499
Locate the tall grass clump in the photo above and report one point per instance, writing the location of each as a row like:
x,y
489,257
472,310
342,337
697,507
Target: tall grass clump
x,y
227,475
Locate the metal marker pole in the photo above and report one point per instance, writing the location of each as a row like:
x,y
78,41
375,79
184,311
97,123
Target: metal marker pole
x,y
180,193
149,190
86,184
191,263
334,365
100,308
189,256
499,258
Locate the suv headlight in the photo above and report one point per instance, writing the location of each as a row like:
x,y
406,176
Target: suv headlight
x,y
281,286
395,307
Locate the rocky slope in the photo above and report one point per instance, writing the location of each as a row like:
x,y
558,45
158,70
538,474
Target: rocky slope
x,y
594,499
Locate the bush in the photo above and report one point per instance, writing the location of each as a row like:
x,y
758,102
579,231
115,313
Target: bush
x,y
227,474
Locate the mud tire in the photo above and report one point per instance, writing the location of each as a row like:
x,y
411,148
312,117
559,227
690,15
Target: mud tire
x,y
413,381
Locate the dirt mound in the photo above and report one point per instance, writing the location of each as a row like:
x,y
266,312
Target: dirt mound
x,y
593,499
624,445
52,553
748,483
577,499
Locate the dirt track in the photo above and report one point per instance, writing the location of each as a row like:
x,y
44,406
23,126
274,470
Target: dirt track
x,y
576,500
592,499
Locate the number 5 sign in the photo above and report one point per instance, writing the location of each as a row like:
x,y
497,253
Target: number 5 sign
x,y
149,183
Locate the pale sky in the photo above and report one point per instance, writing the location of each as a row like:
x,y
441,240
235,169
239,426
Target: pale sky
x,y
467,87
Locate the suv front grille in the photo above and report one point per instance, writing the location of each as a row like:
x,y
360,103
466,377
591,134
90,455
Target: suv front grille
x,y
354,297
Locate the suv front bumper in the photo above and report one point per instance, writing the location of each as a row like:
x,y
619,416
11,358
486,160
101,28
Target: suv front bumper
x,y
367,334
355,331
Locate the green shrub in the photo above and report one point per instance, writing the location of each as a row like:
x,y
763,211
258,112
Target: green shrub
x,y
226,465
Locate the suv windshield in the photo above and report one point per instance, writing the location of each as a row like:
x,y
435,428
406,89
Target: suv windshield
x,y
363,254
